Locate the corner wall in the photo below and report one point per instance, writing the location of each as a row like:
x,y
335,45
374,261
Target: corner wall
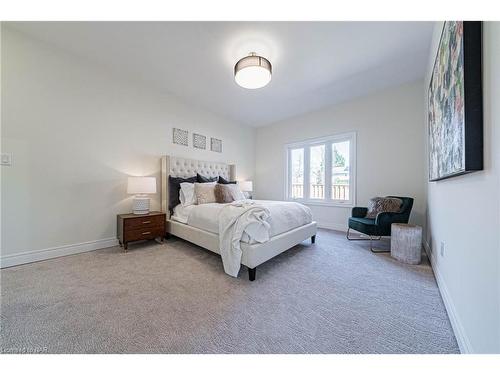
x,y
463,213
76,132
390,149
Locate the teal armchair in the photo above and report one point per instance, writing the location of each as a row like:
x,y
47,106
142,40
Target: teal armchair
x,y
381,225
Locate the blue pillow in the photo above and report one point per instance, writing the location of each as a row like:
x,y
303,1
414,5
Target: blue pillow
x,y
202,179
222,180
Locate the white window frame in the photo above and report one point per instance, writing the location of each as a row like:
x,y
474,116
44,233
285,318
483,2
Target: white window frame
x,y
327,141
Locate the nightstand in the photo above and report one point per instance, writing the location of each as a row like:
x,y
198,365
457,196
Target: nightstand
x,y
131,227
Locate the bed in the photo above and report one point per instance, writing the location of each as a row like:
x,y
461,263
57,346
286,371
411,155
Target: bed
x,y
204,233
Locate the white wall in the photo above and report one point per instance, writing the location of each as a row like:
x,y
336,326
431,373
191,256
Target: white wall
x,y
390,149
76,131
464,213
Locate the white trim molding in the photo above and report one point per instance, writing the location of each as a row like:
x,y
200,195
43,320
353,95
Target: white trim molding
x,y
463,341
55,252
333,226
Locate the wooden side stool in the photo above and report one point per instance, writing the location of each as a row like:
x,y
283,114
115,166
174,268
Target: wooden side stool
x,y
406,243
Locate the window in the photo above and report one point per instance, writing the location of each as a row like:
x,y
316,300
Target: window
x,y
322,171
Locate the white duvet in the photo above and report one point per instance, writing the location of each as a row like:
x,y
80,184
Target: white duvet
x,y
284,216
248,221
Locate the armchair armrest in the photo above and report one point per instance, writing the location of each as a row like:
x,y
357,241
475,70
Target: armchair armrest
x,y
359,211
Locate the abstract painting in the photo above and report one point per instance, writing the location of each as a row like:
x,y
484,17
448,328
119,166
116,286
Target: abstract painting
x,y
455,102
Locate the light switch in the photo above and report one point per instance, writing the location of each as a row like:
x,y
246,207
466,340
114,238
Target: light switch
x,y
6,159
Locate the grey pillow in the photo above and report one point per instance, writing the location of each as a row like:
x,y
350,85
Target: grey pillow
x,y
383,204
223,193
205,192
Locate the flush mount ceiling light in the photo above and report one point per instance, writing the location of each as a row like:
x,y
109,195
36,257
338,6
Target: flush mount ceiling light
x,y
253,72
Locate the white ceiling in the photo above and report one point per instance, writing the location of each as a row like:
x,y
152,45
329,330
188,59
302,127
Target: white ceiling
x,y
315,64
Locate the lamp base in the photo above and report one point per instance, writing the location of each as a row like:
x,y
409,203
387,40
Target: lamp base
x,y
141,206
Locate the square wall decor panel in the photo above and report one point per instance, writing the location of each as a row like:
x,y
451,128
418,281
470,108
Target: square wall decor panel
x,y
199,141
216,145
180,137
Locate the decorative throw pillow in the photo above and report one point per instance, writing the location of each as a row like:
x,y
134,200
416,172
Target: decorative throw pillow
x,y
203,179
174,187
205,192
223,193
222,180
187,196
236,192
383,204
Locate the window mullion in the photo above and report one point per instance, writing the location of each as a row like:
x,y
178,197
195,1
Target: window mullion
x,y
307,171
352,169
288,191
328,170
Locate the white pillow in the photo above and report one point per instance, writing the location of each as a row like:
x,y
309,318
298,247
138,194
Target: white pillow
x,y
186,194
237,193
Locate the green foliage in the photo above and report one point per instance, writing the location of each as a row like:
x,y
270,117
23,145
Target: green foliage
x,y
339,160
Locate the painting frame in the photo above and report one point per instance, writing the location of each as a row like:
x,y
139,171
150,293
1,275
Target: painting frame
x,y
469,145
215,144
180,137
199,141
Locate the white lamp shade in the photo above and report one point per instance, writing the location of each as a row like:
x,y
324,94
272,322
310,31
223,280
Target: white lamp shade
x,y
141,185
253,72
245,185
253,77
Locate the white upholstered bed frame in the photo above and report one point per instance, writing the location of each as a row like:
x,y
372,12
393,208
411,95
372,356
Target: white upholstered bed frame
x,y
253,254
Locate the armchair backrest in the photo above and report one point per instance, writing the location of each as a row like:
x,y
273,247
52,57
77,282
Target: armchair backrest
x,y
405,207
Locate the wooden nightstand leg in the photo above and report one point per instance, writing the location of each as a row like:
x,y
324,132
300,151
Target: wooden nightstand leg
x,y
125,247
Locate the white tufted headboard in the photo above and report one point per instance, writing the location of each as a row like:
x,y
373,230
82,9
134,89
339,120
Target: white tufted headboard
x,y
182,167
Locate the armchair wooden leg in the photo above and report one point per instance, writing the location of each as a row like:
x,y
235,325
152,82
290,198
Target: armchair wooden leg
x,y
313,239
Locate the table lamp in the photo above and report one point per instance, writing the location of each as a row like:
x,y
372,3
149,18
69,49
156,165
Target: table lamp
x,y
246,187
140,186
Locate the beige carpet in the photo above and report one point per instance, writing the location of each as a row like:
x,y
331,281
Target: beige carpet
x,y
332,297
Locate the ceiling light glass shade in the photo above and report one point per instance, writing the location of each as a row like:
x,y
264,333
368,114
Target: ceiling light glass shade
x,y
253,72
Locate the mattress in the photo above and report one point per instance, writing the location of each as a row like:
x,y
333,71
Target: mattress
x,y
284,216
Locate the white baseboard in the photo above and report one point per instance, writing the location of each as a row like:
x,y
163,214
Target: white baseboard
x,y
54,252
458,328
332,226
